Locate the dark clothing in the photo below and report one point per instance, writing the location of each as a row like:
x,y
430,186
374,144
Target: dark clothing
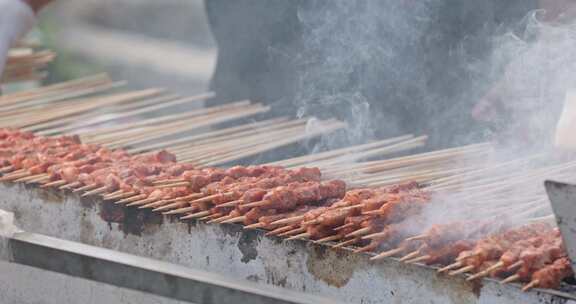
x,y
388,67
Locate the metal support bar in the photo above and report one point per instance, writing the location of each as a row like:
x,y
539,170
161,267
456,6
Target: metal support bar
x,y
563,199
143,274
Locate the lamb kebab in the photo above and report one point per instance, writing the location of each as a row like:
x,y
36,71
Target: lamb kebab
x,y
225,196
493,246
291,197
208,184
552,275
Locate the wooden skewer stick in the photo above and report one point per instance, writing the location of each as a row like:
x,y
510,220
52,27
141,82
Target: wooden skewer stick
x,y
255,226
206,199
409,256
346,243
117,192
131,199
312,222
366,248
531,285
256,204
16,172
6,169
292,232
54,184
279,230
180,210
462,258
168,181
195,215
450,267
335,229
375,235
329,239
70,185
359,232
418,259
142,202
85,188
515,265
211,217
462,270
170,206
95,191
216,218
151,205
13,177
237,219
486,272
174,185
30,178
27,179
122,195
185,198
222,218
38,180
387,254
510,279
417,237
288,221
299,236
231,204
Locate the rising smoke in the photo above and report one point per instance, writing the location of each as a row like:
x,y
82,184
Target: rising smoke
x,y
532,67
355,56
393,67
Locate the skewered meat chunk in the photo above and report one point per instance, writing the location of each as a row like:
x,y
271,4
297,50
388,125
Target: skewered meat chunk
x,y
551,276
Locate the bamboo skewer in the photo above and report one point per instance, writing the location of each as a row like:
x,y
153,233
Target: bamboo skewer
x,y
190,141
279,230
195,215
418,259
303,160
485,272
255,226
462,270
510,279
299,236
410,255
53,184
345,243
234,220
450,267
328,239
531,285
292,232
387,254
142,110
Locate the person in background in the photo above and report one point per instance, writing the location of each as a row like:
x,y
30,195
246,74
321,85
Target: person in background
x,y
403,66
533,104
17,17
388,68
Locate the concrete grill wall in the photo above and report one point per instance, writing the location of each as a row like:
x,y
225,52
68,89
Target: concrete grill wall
x,y
239,254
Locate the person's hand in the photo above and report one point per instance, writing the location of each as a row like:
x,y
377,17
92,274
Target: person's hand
x,y
16,19
565,139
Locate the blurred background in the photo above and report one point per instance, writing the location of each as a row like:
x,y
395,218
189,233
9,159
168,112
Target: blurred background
x,y
149,43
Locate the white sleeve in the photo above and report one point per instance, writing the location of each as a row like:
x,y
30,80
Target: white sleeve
x,y
16,19
566,127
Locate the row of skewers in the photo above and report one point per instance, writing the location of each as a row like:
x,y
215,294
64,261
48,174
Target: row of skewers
x,y
25,63
293,203
95,109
